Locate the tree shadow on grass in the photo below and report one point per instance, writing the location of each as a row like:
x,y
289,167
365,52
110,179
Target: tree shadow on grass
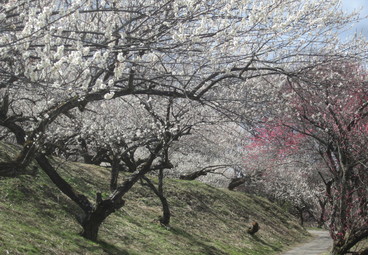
x,y
90,246
259,240
196,241
112,249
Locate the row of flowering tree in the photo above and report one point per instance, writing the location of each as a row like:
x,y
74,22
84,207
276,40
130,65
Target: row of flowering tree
x,y
326,112
333,111
146,60
280,165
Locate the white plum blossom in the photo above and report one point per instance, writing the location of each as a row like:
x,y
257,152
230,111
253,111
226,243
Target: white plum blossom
x,y
109,95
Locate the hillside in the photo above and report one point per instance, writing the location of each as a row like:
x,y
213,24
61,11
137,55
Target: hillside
x,y
35,218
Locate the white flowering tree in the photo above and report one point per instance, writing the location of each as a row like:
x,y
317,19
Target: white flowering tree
x,y
58,56
136,135
80,51
211,153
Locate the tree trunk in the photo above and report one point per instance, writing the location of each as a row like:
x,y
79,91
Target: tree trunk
x,y
115,169
104,208
338,250
81,200
202,172
18,132
300,212
166,214
343,244
10,121
95,215
90,230
364,252
321,219
165,220
93,220
13,169
235,182
9,169
301,218
194,175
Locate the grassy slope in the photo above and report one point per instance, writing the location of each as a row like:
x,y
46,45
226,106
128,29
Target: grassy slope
x,y
35,218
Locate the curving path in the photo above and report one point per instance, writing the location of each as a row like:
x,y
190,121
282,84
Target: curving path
x,y
319,245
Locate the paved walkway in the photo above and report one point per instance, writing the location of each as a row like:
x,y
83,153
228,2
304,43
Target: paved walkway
x,y
319,245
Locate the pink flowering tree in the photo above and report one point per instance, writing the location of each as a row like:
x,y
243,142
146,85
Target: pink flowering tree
x,y
279,165
328,109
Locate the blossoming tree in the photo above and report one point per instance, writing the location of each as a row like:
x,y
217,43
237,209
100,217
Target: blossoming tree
x,y
58,56
328,108
281,164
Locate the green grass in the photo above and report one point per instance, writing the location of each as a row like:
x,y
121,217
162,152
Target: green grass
x,y
36,218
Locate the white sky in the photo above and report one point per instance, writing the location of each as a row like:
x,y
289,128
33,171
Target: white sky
x,y
359,5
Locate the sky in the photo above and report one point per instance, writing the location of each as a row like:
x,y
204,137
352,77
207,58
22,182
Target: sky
x,y
362,6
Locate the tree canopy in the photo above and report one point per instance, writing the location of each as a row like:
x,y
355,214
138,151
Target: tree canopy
x,y
124,81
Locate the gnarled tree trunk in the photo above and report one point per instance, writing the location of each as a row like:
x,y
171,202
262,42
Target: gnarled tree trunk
x,y
94,215
204,171
194,175
166,214
235,182
300,211
115,169
342,245
9,169
93,220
